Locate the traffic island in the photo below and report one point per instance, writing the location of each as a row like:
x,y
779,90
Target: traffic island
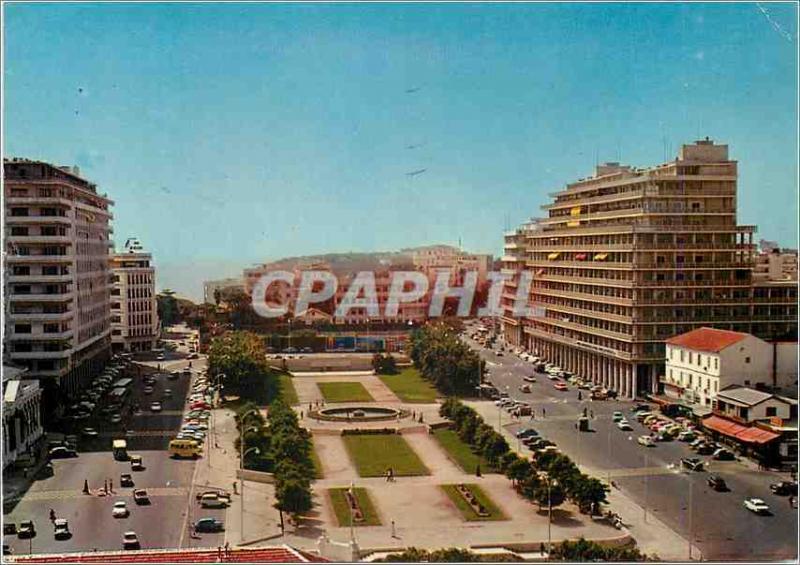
x,y
473,503
355,504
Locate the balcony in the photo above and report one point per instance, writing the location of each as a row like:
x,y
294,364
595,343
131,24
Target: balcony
x,y
585,201
38,279
40,336
598,298
588,264
588,313
25,259
42,297
41,316
710,283
27,220
36,239
594,281
40,354
582,247
586,329
577,344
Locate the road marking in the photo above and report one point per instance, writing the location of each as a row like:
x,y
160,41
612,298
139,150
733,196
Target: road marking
x,y
71,494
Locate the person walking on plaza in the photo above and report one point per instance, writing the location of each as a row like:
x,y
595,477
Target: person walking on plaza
x,y
544,412
85,486
110,485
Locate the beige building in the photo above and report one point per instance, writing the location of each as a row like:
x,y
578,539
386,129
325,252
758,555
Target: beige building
x,y
22,415
57,265
776,265
134,313
702,362
630,257
211,288
435,257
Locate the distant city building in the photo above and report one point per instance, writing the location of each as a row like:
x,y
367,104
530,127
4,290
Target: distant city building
x,y
134,313
57,257
702,362
212,288
22,415
437,257
515,249
630,257
776,265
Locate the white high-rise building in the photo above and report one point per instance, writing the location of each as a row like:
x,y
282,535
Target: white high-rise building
x,y
134,314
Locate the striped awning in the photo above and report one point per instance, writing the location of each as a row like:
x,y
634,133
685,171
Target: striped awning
x,y
554,255
601,257
581,256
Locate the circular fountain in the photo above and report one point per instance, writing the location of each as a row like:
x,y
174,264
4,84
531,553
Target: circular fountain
x,y
359,414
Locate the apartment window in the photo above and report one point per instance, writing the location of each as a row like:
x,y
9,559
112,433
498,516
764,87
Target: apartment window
x,y
19,192
699,360
772,411
21,271
682,355
22,328
743,413
49,230
22,289
48,212
746,359
17,230
690,379
45,193
50,270
51,328
23,347
691,357
19,212
716,362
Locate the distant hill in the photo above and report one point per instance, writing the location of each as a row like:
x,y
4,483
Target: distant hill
x,y
351,262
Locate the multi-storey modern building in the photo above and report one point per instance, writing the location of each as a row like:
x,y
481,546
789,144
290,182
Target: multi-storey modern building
x,y
134,314
512,264
22,415
212,289
57,253
629,257
776,265
437,257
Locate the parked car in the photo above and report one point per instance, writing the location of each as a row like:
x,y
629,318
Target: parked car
x,y
130,540
527,432
784,488
125,480
155,407
525,388
137,464
62,453
529,378
61,529
724,455
706,449
140,496
686,435
26,529
115,418
148,390
756,505
561,386
717,483
212,500
617,416
646,441
120,509
89,432
692,463
208,525
624,425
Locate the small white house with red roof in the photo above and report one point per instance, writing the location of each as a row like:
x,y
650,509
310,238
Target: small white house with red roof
x,y
702,362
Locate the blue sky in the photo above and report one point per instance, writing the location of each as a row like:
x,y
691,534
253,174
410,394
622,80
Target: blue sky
x,y
229,134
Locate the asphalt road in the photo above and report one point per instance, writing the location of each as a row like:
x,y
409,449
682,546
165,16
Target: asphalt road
x,y
162,524
722,528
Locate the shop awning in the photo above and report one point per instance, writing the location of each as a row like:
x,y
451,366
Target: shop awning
x,y
737,431
601,257
554,255
581,256
540,272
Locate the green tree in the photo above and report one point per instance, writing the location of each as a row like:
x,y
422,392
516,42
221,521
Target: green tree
x,y
518,470
495,449
241,357
167,307
584,550
588,492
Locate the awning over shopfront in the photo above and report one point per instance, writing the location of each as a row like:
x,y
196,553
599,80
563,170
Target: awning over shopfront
x,y
581,256
601,257
554,255
540,272
737,431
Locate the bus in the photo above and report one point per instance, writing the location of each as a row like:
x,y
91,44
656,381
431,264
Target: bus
x,y
184,448
120,449
116,396
123,383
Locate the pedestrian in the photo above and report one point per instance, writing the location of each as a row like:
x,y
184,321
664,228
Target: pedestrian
x,y
52,515
85,486
110,485
478,470
105,486
301,414
541,548
544,413
387,475
394,534
234,488
227,550
591,414
219,553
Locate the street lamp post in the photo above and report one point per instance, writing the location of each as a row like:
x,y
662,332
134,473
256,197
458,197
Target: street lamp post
x,y
691,524
242,454
256,450
549,521
646,484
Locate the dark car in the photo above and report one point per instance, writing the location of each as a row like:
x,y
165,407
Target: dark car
x,y
26,529
208,525
692,463
783,488
62,453
705,449
140,496
527,432
641,408
717,483
126,480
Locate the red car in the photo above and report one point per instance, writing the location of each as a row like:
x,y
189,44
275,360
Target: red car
x,y
200,405
560,386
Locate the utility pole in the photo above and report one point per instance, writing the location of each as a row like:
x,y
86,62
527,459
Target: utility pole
x,y
691,524
549,520
646,483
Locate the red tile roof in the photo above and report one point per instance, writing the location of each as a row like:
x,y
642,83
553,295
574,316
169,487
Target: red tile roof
x,y
275,554
710,340
737,431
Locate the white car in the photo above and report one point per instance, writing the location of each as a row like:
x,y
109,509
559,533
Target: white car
x,y
155,407
120,510
130,540
624,425
646,441
756,505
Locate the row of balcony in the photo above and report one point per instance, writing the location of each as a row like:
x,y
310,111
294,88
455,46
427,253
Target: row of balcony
x,y
639,265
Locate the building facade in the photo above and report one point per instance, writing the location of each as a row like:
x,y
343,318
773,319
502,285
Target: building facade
x,y
776,265
630,257
134,313
57,255
22,415
211,289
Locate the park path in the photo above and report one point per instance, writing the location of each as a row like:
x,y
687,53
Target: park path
x,y
336,464
435,458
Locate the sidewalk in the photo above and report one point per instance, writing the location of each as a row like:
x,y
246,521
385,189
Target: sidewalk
x,y
652,537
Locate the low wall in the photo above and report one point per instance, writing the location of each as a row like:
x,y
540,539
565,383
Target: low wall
x,y
256,476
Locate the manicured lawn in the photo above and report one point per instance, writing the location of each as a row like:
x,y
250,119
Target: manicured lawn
x,y
373,454
288,392
410,387
342,509
466,510
460,452
344,392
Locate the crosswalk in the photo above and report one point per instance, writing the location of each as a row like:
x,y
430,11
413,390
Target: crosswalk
x,y
125,493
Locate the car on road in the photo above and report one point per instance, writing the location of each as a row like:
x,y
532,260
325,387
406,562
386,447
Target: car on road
x,y
686,435
526,432
167,392
724,455
155,407
126,480
624,425
137,464
617,416
192,356
140,496
756,505
120,509
89,432
529,379
61,529
560,386
692,463
26,529
213,500
208,525
219,493
148,390
62,453
706,448
160,357
783,488
130,541
525,388
717,483
115,418
499,352
646,441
